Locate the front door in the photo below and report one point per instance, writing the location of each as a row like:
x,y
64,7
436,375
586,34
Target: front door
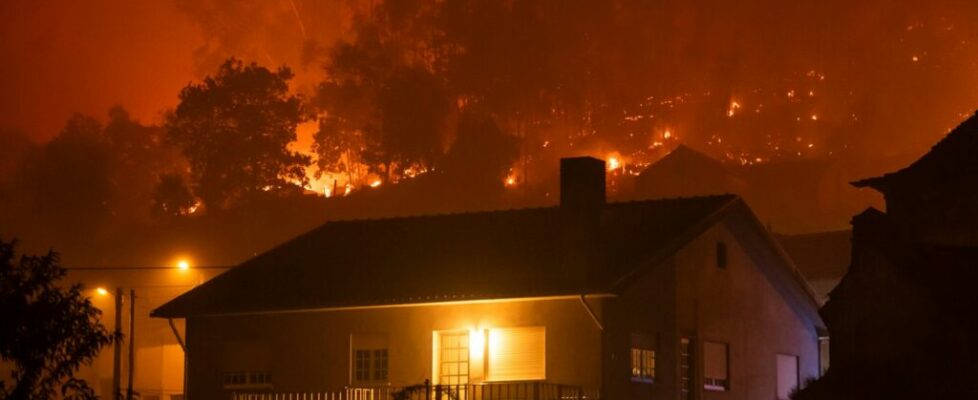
x,y
453,373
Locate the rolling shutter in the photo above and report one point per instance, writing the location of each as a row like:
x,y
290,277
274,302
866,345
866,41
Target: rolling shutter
x,y
517,354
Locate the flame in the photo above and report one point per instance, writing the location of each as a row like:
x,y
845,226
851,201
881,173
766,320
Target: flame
x,y
510,180
613,163
327,192
734,106
376,183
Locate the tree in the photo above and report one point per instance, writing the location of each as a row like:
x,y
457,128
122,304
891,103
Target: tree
x,y
481,151
48,331
172,197
235,128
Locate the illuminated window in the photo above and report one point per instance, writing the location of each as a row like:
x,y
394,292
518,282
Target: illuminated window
x,y
517,354
715,365
643,358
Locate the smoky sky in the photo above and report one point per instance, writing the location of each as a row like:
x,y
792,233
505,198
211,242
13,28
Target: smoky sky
x,y
905,70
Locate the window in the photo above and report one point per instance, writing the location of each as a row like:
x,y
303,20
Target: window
x,y
715,365
517,354
370,365
643,358
787,375
454,359
246,379
721,255
380,365
362,369
369,358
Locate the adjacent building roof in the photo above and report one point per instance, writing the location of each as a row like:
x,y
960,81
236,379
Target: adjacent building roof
x,y
471,256
952,156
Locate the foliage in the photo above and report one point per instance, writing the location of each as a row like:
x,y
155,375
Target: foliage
x,y
481,151
48,331
234,129
172,197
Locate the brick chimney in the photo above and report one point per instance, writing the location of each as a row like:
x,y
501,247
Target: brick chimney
x,y
582,186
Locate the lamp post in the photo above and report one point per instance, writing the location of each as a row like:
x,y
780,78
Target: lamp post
x,y
117,350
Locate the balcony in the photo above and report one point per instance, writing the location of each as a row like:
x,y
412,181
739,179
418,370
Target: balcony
x,y
484,391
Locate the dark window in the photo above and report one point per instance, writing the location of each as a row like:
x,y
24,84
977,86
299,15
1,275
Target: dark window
x,y
362,368
380,365
370,365
246,379
721,255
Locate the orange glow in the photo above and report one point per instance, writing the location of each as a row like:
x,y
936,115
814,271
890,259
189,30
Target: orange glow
x,y
734,106
101,291
613,163
510,180
667,135
477,344
376,183
327,192
183,265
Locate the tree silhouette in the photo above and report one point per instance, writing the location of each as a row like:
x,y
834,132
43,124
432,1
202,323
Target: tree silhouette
x,y
234,128
48,331
172,197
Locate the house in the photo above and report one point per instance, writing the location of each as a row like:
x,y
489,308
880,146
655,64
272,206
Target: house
x,y
804,195
685,172
676,298
902,319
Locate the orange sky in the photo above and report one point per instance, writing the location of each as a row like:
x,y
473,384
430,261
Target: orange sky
x,y
86,56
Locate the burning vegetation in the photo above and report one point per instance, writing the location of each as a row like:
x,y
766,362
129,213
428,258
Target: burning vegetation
x,y
427,100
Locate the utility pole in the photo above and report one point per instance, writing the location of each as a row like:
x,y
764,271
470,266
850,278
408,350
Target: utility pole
x,y
132,341
117,351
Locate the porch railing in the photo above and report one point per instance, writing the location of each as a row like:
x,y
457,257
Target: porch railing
x,y
485,391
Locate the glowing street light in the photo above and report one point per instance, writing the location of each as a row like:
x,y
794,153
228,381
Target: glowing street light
x,y
101,291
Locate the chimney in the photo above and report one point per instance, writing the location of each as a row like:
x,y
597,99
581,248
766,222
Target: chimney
x,y
582,184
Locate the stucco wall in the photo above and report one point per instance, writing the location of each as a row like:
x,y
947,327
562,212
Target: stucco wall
x,y
738,305
310,351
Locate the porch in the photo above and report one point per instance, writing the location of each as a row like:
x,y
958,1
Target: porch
x,y
481,391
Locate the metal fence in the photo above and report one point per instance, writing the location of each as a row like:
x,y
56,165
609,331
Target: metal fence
x,y
486,391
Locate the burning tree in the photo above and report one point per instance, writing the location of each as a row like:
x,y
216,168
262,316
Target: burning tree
x,y
235,128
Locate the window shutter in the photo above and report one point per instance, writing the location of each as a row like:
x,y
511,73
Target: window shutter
x,y
715,360
787,375
517,354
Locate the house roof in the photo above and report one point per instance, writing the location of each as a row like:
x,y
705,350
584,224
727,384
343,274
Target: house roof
x,y
453,257
952,156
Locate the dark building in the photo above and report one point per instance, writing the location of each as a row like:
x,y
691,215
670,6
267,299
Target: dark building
x,y
673,298
788,195
903,321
